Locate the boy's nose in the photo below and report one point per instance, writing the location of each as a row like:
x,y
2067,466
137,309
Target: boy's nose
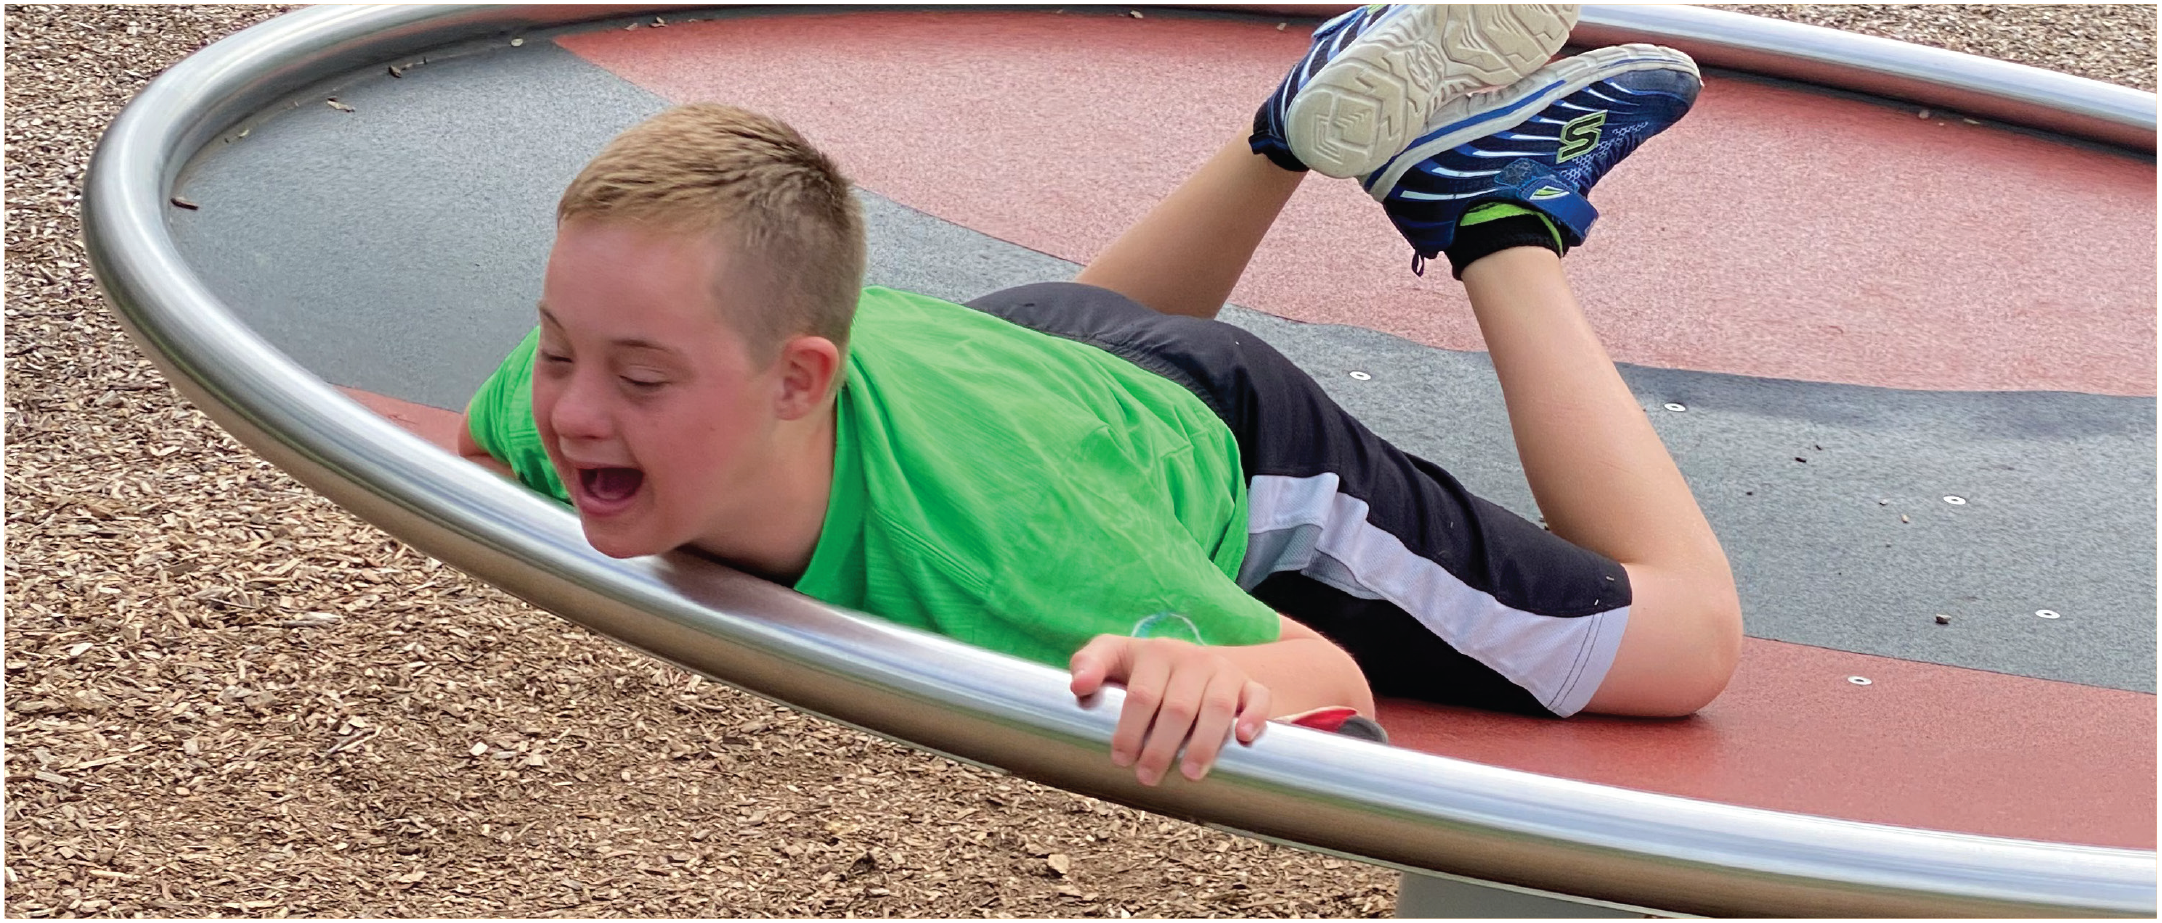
x,y
579,413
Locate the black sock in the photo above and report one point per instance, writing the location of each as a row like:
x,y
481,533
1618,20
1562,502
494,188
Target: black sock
x,y
1481,238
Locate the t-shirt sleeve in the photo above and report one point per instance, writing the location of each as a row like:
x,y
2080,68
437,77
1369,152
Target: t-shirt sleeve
x,y
1120,583
500,419
1212,609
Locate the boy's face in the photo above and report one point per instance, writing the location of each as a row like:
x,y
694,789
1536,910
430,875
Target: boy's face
x,y
648,401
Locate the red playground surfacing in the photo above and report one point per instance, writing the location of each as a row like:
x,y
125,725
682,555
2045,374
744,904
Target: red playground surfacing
x,y
1772,233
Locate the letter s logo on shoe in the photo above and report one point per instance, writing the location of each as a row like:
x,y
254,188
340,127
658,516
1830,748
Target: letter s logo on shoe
x,y
1579,136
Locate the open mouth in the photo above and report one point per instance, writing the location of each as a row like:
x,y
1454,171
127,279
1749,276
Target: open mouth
x,y
610,487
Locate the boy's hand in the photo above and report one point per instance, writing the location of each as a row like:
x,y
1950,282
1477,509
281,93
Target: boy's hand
x,y
1177,693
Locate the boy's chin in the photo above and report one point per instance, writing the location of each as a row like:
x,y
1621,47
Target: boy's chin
x,y
621,546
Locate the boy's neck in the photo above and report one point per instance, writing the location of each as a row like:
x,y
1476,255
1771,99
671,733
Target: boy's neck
x,y
775,532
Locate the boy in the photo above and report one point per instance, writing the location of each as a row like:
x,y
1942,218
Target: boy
x,y
1100,475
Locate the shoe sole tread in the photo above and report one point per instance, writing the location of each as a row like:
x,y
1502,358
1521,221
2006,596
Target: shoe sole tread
x,y
1374,98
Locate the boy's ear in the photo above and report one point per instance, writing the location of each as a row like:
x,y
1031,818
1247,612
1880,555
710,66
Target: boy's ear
x,y
808,366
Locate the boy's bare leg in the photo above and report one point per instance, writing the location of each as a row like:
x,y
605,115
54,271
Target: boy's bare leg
x,y
1185,255
1500,190
1188,252
1605,482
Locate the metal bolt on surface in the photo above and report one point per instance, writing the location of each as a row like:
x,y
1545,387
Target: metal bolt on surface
x,y
1677,408
1956,501
1361,376
2047,614
1858,680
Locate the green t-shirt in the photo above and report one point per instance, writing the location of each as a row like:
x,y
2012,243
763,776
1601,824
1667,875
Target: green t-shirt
x,y
500,417
1009,489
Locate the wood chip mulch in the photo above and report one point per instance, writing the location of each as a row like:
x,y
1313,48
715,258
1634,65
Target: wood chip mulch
x,y
2111,42
227,697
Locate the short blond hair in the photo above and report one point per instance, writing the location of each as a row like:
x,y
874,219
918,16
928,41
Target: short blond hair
x,y
715,169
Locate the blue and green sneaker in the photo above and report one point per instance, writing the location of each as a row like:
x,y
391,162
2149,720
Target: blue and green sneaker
x,y
1541,144
1375,76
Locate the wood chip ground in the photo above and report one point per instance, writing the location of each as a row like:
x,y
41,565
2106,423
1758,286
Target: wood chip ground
x,y
227,697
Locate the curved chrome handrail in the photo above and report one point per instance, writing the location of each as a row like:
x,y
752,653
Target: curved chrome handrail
x,y
1937,77
1394,806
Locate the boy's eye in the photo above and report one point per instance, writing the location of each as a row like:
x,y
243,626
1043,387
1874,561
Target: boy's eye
x,y
642,384
554,359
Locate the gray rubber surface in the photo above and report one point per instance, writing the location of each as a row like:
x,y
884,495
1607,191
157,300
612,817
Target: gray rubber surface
x,y
398,248
2059,491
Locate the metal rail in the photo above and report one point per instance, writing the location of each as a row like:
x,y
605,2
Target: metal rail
x,y
1935,77
1394,806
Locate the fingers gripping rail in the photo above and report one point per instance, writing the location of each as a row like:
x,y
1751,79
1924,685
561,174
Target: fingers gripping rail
x,y
1395,806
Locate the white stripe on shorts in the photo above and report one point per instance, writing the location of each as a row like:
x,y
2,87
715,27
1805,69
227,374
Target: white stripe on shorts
x,y
1305,525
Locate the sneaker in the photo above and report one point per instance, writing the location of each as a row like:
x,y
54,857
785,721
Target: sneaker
x,y
1376,74
1540,144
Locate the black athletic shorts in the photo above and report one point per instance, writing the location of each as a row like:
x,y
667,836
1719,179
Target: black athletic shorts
x,y
1438,595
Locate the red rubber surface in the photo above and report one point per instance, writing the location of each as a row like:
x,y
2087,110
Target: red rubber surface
x,y
433,424
1923,745
1775,232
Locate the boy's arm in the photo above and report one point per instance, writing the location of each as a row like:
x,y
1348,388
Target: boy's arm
x,y
1183,694
1303,671
472,452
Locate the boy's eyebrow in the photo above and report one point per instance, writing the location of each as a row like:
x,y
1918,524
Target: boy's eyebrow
x,y
626,342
